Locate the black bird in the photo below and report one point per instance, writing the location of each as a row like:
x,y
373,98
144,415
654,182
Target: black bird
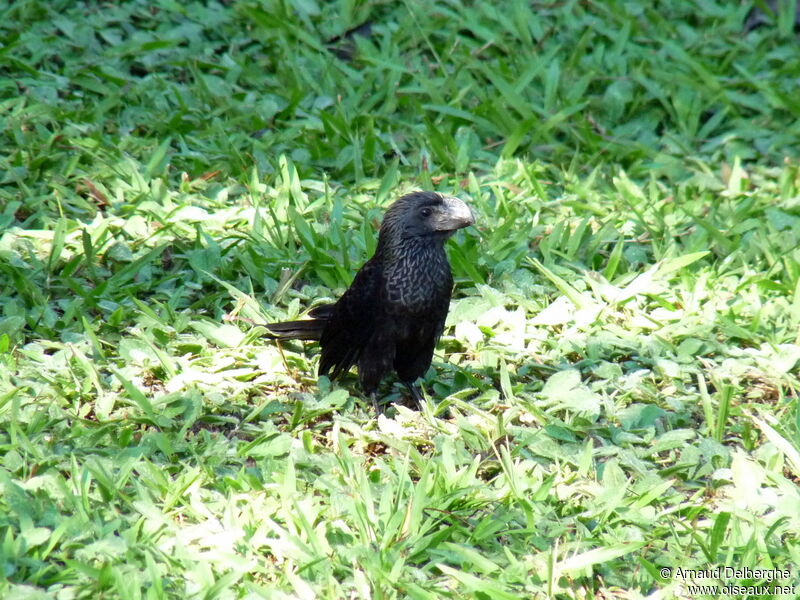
x,y
393,313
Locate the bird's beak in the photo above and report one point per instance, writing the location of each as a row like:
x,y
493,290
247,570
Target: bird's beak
x,y
453,215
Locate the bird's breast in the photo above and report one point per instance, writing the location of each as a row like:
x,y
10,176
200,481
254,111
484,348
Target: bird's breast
x,y
419,283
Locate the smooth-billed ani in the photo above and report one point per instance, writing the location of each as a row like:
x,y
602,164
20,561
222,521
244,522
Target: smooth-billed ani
x,y
393,313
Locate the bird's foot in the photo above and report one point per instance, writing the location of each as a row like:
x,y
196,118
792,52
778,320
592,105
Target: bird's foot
x,y
415,393
374,399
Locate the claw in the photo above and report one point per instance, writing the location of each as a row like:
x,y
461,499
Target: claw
x,y
374,399
415,393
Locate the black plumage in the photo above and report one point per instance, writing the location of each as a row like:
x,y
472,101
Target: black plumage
x,y
393,313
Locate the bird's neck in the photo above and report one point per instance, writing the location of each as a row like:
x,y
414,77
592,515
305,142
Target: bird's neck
x,y
412,250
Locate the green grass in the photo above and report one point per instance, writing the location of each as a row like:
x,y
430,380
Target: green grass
x,y
616,392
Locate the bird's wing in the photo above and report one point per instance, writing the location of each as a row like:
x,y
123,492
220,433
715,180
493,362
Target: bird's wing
x,y
352,321
321,311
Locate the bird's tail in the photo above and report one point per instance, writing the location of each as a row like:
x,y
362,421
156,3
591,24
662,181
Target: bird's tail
x,y
296,330
310,329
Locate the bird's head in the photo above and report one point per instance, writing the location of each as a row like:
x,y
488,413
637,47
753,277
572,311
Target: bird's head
x,y
426,215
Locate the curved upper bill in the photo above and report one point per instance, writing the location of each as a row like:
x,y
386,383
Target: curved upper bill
x,y
454,214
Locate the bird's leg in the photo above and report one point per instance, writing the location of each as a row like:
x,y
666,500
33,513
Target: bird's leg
x,y
374,398
414,392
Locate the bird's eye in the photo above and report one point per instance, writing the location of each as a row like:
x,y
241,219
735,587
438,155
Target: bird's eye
x,y
425,212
